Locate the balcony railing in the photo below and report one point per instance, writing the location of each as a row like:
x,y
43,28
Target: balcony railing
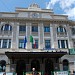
x,y
22,33
6,33
61,34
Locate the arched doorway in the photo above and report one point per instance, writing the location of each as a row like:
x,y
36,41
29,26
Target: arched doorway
x,y
65,65
20,67
49,66
2,65
35,64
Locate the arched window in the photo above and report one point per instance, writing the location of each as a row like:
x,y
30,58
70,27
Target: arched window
x,y
2,65
6,27
61,29
65,65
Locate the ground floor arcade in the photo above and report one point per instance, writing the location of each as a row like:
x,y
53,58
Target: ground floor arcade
x,y
45,62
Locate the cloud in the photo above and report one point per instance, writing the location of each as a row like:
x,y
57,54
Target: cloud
x,y
51,4
71,13
67,6
66,3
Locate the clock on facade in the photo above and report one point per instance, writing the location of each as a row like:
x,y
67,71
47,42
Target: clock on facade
x,y
35,15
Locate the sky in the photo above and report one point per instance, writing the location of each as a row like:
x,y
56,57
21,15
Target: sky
x,y
66,7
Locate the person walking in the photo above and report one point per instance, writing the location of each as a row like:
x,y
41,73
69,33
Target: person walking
x,y
34,72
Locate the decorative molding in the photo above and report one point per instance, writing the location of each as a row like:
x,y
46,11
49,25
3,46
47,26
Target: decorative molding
x,y
19,19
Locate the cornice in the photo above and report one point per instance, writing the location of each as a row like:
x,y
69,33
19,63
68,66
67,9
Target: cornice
x,y
60,15
19,19
32,10
8,12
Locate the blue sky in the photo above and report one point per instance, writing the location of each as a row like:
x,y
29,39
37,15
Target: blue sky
x,y
66,7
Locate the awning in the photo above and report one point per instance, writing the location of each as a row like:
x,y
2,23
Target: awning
x,y
20,55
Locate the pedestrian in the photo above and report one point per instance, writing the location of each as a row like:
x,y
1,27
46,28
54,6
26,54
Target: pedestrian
x,y
34,72
4,73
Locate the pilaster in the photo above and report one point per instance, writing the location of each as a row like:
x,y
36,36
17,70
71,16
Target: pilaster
x,y
41,35
7,67
15,34
28,33
51,32
70,44
54,36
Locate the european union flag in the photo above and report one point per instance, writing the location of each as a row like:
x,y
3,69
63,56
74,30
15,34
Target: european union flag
x,y
25,41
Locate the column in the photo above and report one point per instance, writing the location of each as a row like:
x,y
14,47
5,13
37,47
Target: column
x,y
28,33
7,67
41,35
52,39
53,36
69,35
15,34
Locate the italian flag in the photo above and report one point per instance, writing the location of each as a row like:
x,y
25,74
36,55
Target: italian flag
x,y
32,41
